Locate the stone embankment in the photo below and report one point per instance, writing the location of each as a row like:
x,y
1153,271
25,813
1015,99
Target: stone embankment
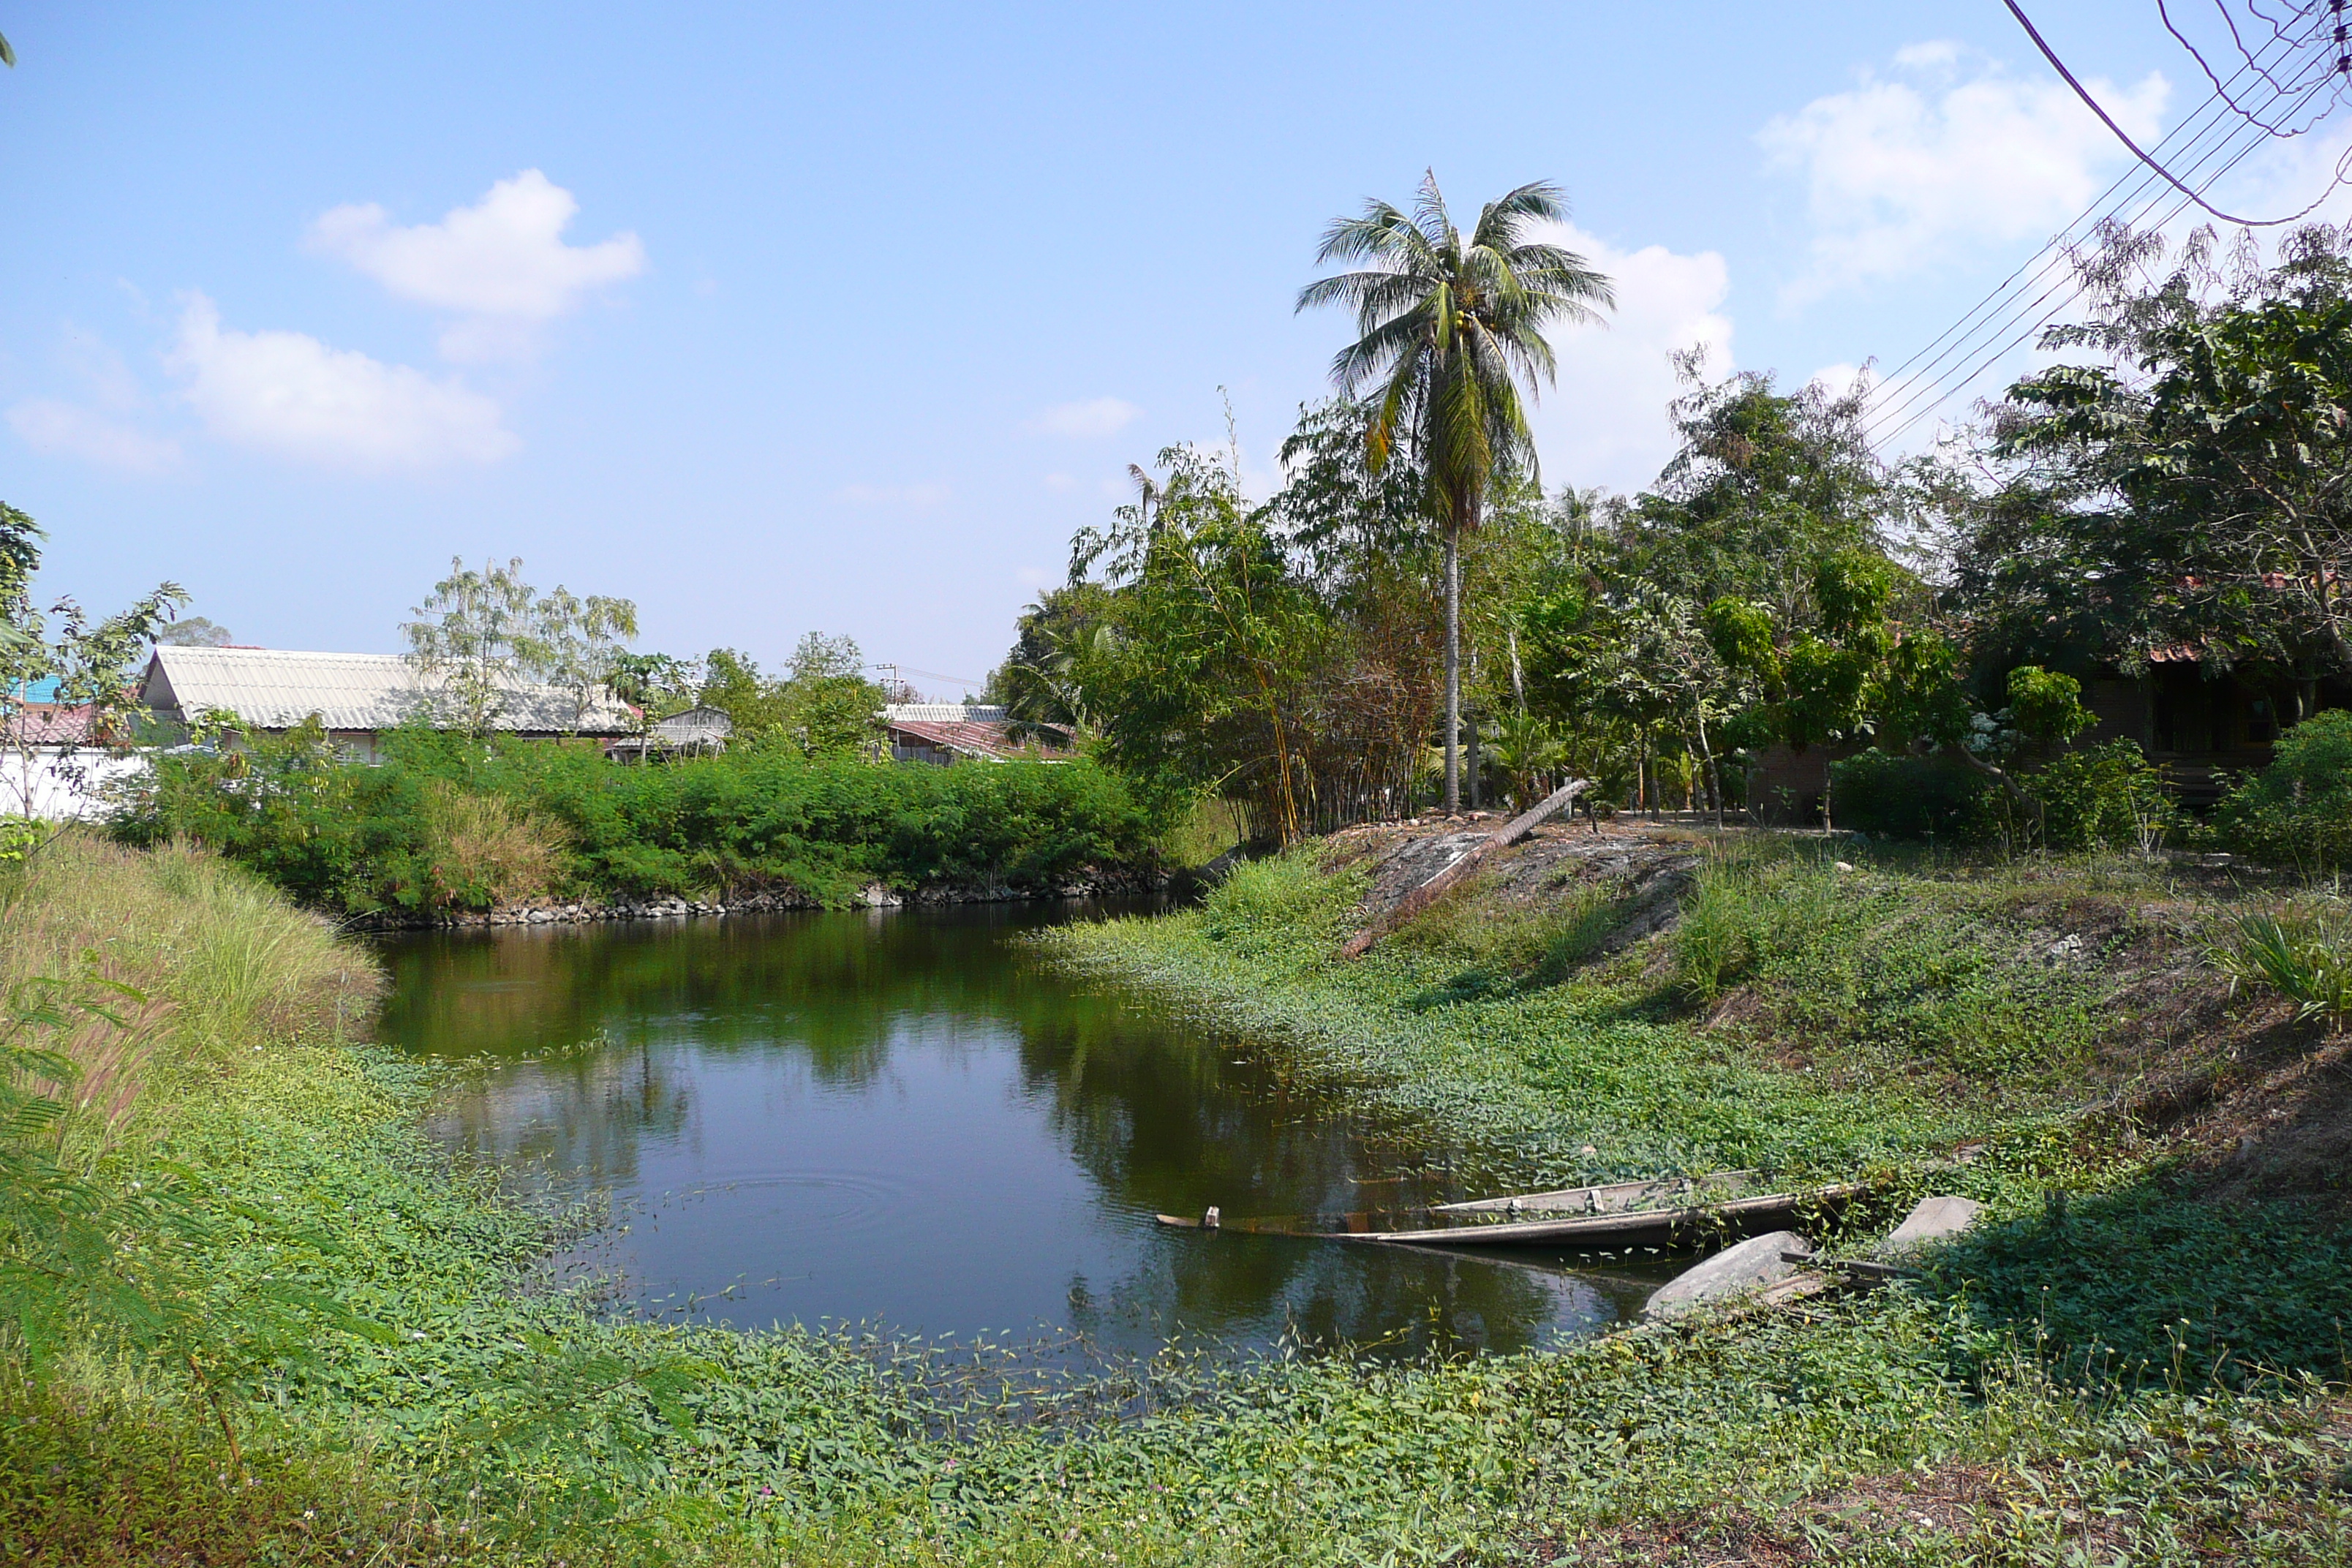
x,y
667,907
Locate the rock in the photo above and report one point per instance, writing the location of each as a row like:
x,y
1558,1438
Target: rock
x,y
1735,1271
1843,864
1933,1220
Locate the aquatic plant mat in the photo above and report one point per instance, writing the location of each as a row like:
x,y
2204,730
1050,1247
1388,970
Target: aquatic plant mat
x,y
352,1368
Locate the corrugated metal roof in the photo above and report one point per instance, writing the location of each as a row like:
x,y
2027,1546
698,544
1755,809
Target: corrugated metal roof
x,y
989,740
943,713
696,727
272,688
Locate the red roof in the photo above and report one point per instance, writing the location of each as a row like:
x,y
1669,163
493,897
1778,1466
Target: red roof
x,y
49,724
969,737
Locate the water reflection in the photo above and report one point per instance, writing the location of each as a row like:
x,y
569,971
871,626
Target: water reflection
x,y
898,1117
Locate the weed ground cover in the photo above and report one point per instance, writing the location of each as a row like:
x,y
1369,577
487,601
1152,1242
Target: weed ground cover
x,y
1883,1021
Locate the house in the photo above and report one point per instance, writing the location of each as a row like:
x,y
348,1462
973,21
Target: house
x,y
696,732
944,732
2201,727
356,696
53,762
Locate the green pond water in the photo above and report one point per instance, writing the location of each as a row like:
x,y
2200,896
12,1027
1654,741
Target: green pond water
x,y
901,1118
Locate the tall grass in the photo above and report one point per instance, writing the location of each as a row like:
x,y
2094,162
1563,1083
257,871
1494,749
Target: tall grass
x,y
1209,828
486,851
221,965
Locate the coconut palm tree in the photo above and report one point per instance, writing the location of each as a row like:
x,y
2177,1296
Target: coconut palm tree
x,y
1448,327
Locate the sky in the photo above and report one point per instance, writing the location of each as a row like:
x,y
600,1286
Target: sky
x,y
778,319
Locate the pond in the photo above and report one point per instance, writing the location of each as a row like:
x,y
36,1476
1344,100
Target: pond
x,y
901,1118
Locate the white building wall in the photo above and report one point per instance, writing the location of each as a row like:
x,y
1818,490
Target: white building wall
x,y
58,785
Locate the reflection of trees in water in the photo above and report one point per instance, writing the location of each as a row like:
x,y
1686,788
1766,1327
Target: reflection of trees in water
x,y
836,985
588,1113
1330,1293
1154,1114
1162,1122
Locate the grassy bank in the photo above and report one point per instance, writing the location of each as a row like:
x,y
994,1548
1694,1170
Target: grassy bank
x,y
336,1355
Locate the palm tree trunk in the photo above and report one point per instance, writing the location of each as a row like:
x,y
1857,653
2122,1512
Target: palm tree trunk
x,y
1454,669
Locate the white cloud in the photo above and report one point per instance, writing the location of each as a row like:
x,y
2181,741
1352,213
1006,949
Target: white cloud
x,y
502,263
47,425
103,426
1094,417
1906,171
1060,482
892,495
1605,420
289,393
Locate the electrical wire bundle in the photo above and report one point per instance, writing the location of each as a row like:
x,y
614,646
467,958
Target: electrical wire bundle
x,y
2284,86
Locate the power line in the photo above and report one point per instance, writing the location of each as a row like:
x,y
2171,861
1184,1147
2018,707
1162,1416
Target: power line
x,y
1924,395
1925,398
2278,34
2038,262
1998,312
1910,401
2125,137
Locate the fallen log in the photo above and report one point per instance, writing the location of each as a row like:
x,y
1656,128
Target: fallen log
x,y
1428,893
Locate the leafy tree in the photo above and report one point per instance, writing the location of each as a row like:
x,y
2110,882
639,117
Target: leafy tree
x,y
1853,671
475,633
193,631
757,705
1761,486
578,643
823,706
656,684
1338,510
1448,327
1040,683
1212,638
479,634
2196,489
830,703
88,661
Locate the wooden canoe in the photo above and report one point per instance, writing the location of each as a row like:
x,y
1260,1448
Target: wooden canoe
x,y
1674,1191
1627,1222
1662,1208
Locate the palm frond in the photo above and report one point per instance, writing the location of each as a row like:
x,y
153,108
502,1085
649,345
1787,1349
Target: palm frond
x,y
1503,219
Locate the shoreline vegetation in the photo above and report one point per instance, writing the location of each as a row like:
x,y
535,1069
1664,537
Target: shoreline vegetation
x,y
448,825
310,1339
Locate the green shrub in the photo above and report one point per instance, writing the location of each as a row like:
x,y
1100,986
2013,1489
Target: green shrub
x,y
2298,811
2102,798
1906,797
2303,954
448,822
1287,901
1715,941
